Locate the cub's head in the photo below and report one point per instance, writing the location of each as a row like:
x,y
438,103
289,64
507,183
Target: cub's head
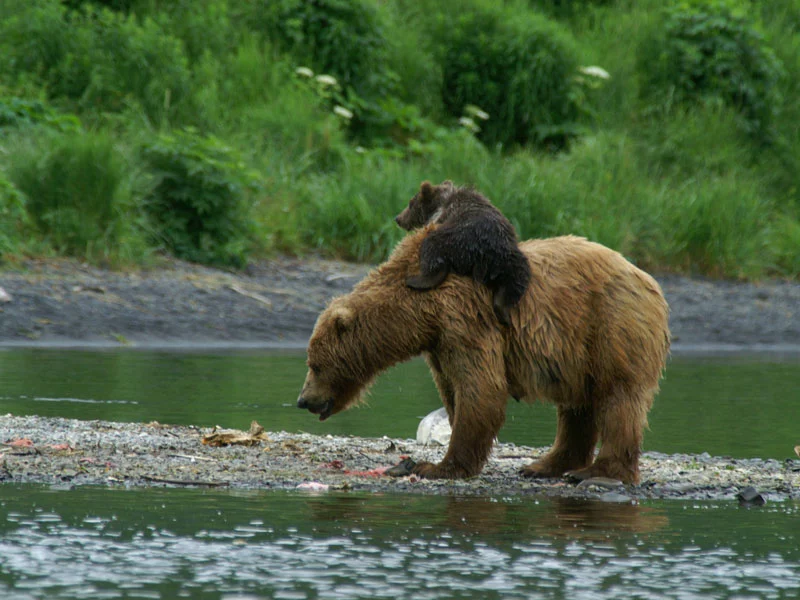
x,y
335,368
424,208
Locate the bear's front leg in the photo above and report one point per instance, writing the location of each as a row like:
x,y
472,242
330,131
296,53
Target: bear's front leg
x,y
428,470
479,413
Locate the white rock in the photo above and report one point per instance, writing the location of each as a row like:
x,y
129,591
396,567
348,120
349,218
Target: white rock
x,y
435,428
4,296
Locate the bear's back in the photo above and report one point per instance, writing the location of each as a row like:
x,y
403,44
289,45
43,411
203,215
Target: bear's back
x,y
592,309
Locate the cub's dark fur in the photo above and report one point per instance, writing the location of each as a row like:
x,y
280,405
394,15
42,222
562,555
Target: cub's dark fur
x,y
473,239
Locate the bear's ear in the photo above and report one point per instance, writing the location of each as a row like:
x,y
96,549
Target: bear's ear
x,y
426,191
342,317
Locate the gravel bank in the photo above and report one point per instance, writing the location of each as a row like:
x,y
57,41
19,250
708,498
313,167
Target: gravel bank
x,y
276,302
67,452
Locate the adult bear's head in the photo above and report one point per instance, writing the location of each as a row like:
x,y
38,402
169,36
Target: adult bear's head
x,y
336,371
380,323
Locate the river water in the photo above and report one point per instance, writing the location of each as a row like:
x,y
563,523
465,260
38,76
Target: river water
x,y
180,543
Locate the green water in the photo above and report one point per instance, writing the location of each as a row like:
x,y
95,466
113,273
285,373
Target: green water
x,y
741,407
98,543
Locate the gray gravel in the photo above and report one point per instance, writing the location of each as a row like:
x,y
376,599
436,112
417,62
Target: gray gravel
x,y
276,302
132,454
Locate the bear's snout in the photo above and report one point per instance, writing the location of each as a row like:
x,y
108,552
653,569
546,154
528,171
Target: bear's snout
x,y
324,408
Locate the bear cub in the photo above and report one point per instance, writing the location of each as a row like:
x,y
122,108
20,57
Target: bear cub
x,y
473,239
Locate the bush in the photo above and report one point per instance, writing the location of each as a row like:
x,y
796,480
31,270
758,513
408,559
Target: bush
x,y
125,6
705,50
199,203
519,67
99,59
20,112
343,38
12,217
78,189
204,26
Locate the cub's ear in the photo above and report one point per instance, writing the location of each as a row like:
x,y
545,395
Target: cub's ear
x,y
343,318
426,190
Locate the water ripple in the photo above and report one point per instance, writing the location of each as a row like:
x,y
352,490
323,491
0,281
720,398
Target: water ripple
x,y
43,555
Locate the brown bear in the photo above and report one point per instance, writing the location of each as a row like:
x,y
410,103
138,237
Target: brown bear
x,y
474,239
590,335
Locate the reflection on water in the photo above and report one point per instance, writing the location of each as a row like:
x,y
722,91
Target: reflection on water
x,y
97,543
699,409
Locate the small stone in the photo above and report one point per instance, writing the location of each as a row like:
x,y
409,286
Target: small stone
x,y
600,482
749,496
615,497
4,296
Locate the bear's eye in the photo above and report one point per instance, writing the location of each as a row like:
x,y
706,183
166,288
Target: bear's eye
x,y
314,369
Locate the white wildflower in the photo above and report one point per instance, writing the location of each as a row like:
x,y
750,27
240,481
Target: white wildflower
x,y
594,71
327,80
343,112
468,123
304,72
476,112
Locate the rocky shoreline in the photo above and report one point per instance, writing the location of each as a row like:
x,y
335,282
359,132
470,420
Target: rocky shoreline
x,y
65,453
275,303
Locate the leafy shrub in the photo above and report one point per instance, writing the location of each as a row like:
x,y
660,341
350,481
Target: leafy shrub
x,y
343,38
519,67
97,58
117,5
77,188
706,50
204,26
12,217
568,8
20,112
199,203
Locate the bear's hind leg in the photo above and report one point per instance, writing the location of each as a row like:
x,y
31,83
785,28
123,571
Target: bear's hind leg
x,y
621,421
576,437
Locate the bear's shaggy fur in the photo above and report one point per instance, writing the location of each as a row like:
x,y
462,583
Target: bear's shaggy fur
x,y
474,239
590,335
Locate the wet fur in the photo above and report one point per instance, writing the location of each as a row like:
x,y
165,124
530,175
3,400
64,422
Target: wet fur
x,y
590,335
474,239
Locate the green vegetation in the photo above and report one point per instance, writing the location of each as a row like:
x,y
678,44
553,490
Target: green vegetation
x,y
219,131
198,206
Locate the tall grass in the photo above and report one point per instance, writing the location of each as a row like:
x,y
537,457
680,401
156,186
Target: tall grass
x,y
79,192
13,218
